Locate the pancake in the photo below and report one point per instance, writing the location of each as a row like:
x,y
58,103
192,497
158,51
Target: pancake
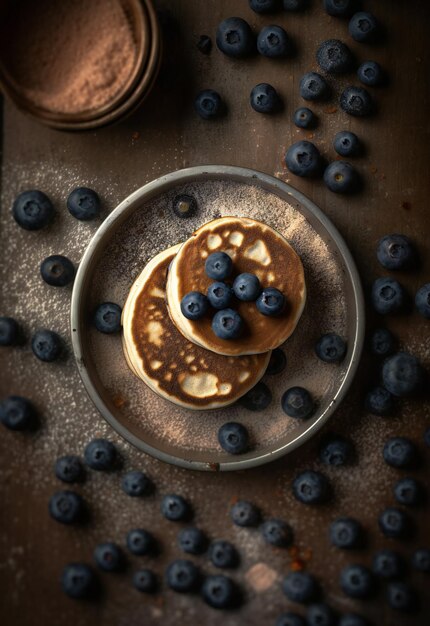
x,y
166,361
255,248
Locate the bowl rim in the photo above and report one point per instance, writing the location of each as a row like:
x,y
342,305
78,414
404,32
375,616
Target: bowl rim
x,y
124,210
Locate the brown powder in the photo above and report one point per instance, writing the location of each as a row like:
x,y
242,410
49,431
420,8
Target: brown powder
x,y
67,57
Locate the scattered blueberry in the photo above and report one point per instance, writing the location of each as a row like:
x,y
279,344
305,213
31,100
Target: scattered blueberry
x,y
401,597
297,402
258,398
235,38
208,104
363,27
379,401
335,451
370,73
107,318
204,44
140,541
331,348
57,270
402,374
46,345
264,98
108,557
246,287
347,143
393,523
290,619
194,305
311,487
145,580
341,177
382,342
182,576
340,8
218,591
387,564
422,301
277,362
192,540
408,491
136,484
300,587
388,296
356,101
396,252
69,469
175,508
227,324
421,560
83,203
223,554
17,413
233,438
320,615
313,86
78,580
9,331
400,452
345,533
32,210
100,455
66,507
295,5
277,532
245,513
270,302
264,6
334,57
218,266
273,42
357,581
304,118
303,159
184,206
219,295
352,619
427,437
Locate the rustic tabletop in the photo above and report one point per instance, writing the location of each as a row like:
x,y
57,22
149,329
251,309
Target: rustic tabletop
x,y
163,136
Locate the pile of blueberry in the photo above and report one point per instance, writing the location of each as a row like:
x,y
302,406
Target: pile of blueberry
x,y
227,323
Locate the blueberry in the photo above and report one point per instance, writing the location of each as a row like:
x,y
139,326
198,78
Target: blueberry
x,y
346,143
331,348
273,42
335,451
194,305
297,402
32,210
258,398
145,580
402,374
219,295
387,564
184,206
427,437
192,540
388,296
303,159
17,413
57,270
136,484
46,345
277,362
311,487
341,177
345,533
394,523
334,57
69,469
175,508
399,452
300,587
363,27
218,591
382,342
340,8
422,301
408,491
108,557
320,615
233,438
356,101
83,203
401,597
78,580
182,576
264,98
223,554
100,455
218,266
379,401
208,104
295,5
277,532
270,302
357,581
235,38
352,619
140,541
264,6
313,86
204,44
227,324
421,560
246,287
290,619
304,118
107,318
9,332
370,73
245,513
66,507
396,252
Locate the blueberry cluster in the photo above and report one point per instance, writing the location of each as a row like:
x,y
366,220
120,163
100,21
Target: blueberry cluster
x,y
227,323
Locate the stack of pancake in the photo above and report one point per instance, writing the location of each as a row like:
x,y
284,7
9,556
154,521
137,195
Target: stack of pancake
x,y
183,360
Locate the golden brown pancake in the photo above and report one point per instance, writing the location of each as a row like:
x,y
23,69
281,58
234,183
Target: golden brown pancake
x,y
255,248
166,361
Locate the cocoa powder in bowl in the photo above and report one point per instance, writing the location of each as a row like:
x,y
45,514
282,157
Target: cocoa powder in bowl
x,y
70,57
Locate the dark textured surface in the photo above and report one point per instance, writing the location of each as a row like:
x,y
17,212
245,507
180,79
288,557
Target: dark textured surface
x,y
166,135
